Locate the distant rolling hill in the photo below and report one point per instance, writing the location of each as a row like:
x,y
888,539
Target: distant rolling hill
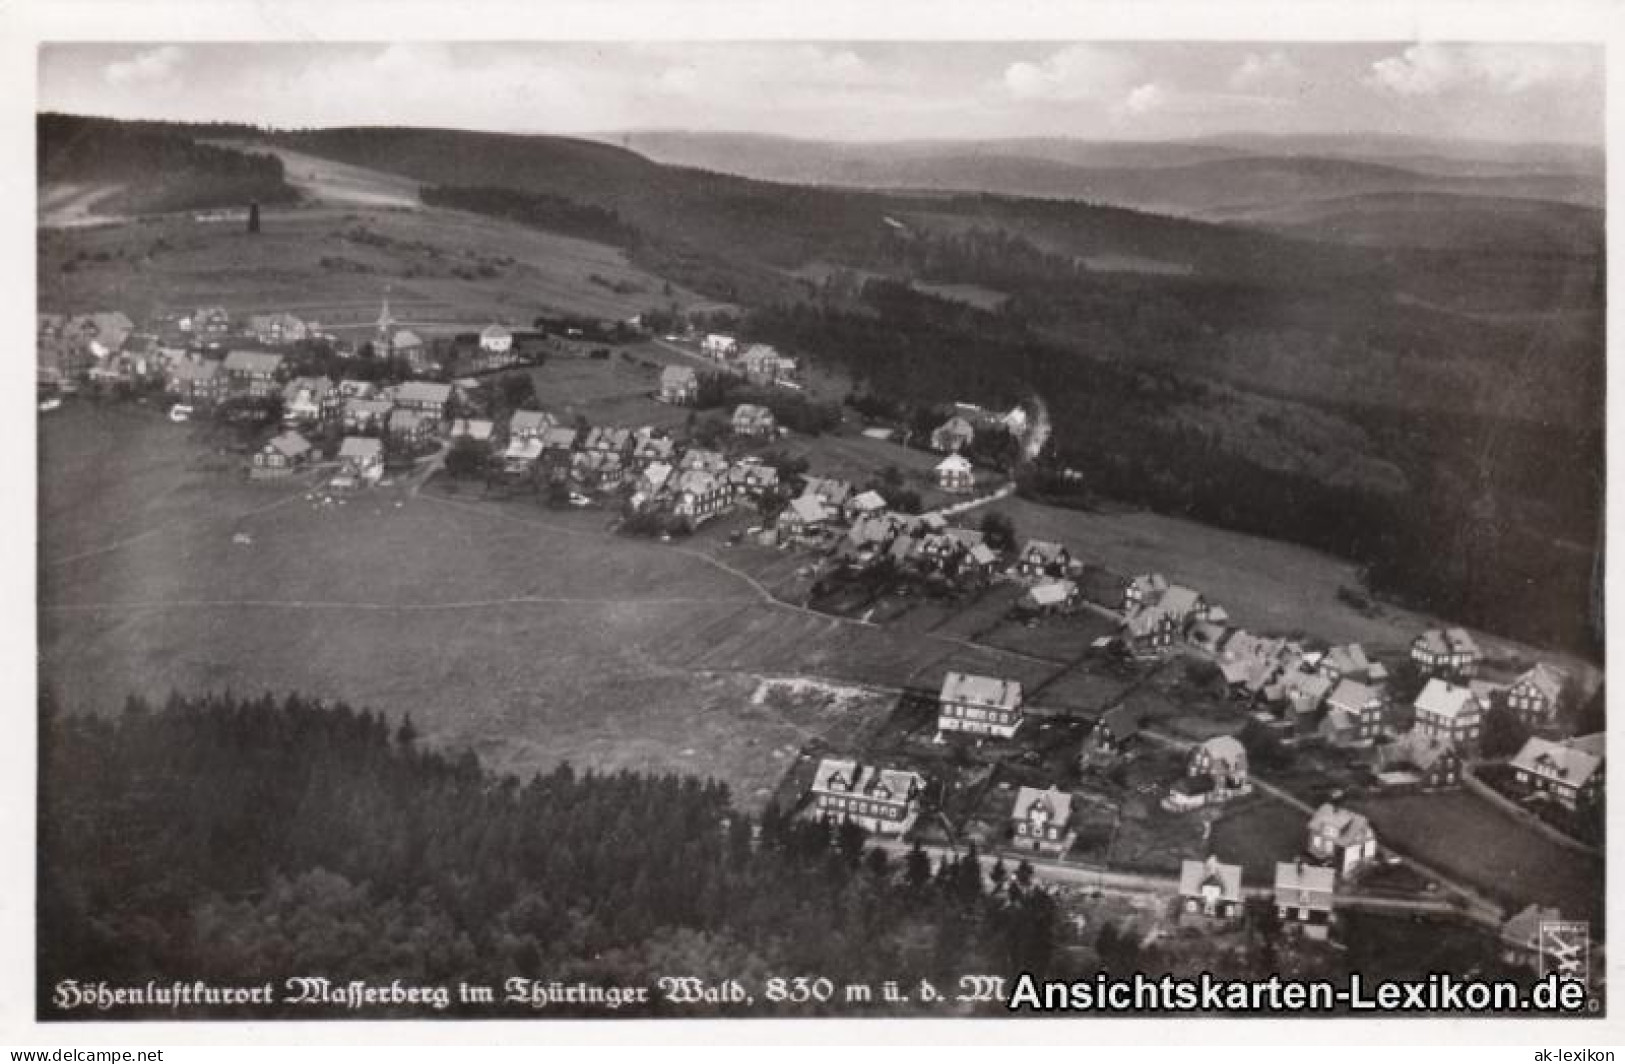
x,y
1196,179
1436,221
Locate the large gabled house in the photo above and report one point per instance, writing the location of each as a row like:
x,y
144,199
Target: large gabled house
x,y
1049,596
1537,695
1341,839
1041,821
710,461
831,492
1449,653
953,435
307,400
884,801
252,373
609,439
519,458
1043,558
1149,632
753,419
1210,893
362,415
281,456
955,474
1446,711
1568,773
411,428
1417,759
1303,897
277,328
1354,714
864,504
196,381
720,346
601,471
361,461
750,479
679,385
1346,662
425,397
699,495
531,424
1115,730
804,516
1143,590
979,705
760,362
1215,771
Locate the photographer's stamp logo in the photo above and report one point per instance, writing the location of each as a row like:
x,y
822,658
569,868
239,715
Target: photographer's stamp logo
x,y
1565,948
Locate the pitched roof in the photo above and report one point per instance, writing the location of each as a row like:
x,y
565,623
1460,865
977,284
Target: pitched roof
x,y
868,500
1442,699
360,447
423,392
496,332
954,463
1572,765
1179,600
1052,592
558,436
981,690
473,427
1546,679
290,445
1304,886
1416,748
1194,875
406,338
1225,748
844,776
1346,659
677,375
982,554
375,407
1353,696
1044,548
523,449
1057,802
1344,825
252,362
808,510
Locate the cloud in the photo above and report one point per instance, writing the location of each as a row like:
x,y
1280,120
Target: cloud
x,y
1274,70
1143,99
1078,72
1433,69
157,67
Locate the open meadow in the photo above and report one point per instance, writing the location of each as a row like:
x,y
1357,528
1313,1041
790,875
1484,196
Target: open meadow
x,y
527,635
331,263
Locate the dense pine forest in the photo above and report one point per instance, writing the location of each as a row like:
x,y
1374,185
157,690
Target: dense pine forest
x,y
160,166
1470,536
249,840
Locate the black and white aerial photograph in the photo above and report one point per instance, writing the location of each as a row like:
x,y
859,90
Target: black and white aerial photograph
x,y
818,529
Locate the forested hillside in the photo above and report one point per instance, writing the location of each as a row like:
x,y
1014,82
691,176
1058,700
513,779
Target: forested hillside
x,y
161,166
249,840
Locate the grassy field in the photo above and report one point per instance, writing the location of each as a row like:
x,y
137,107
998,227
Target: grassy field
x,y
445,269
1257,832
528,635
1463,835
1267,586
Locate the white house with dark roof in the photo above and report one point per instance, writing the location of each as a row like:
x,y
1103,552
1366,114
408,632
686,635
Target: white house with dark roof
x,y
496,339
753,419
1417,759
679,385
955,474
979,705
529,424
1304,896
1345,662
1447,652
1563,772
1537,695
1354,714
803,516
1041,821
361,461
252,373
281,456
1210,893
1341,839
1446,711
425,397
881,800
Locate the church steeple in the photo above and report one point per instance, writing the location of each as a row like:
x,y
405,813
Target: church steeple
x,y
386,322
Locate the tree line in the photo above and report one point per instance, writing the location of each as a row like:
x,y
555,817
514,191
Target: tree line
x,y
247,839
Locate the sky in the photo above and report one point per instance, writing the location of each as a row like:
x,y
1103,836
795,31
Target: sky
x,y
853,91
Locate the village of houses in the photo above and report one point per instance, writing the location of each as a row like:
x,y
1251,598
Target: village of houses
x,y
977,760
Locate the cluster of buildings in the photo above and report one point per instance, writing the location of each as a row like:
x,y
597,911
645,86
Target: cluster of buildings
x,y
760,363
